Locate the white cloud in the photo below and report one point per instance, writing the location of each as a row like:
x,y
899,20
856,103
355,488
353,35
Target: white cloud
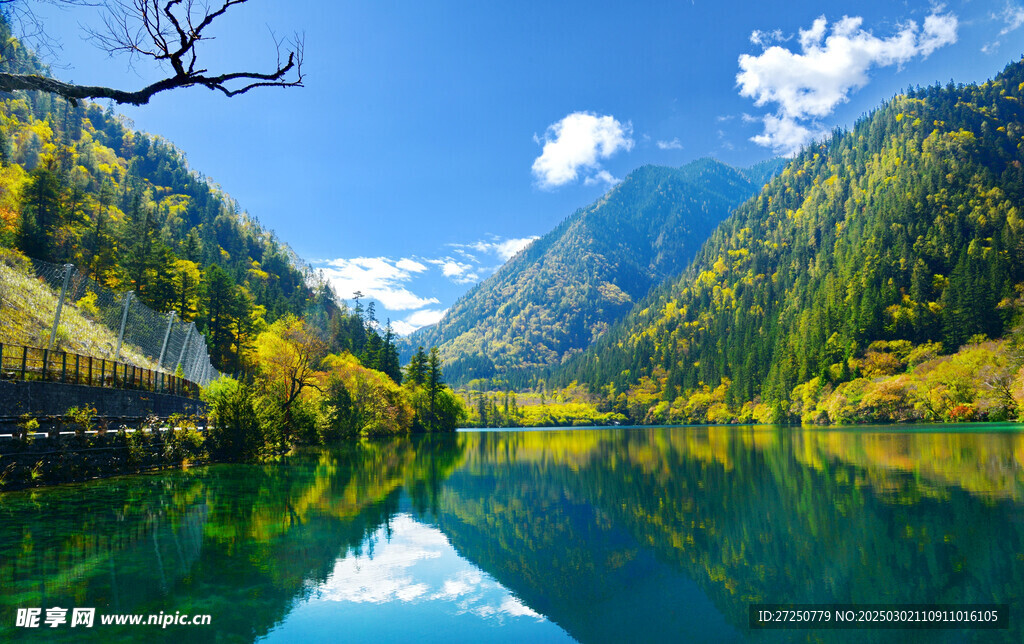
x,y
504,249
778,129
809,85
410,265
378,277
417,320
1012,17
768,38
602,176
508,248
456,271
425,317
674,144
577,144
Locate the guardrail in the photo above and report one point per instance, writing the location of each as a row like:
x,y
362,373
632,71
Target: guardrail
x,y
18,362
56,427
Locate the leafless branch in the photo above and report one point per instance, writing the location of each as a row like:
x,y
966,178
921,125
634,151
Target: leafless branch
x,y
22,17
167,32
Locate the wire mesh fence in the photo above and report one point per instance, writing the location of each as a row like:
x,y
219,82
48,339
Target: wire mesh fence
x,y
86,317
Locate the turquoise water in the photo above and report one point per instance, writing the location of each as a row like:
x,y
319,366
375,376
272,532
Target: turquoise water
x,y
595,535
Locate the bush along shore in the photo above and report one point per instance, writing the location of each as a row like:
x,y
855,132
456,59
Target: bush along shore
x,y
96,451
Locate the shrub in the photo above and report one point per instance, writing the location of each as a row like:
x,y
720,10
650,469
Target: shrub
x,y
81,418
244,426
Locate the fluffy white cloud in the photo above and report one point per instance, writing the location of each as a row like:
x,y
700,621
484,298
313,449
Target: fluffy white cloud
x,y
410,265
779,129
417,320
508,248
810,84
602,176
577,144
458,272
674,144
378,277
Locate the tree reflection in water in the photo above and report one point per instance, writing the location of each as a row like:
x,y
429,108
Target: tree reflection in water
x,y
640,533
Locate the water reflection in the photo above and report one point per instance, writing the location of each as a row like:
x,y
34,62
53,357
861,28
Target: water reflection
x,y
407,583
602,535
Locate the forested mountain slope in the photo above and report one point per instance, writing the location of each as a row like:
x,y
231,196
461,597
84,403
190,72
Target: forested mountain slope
x,y
909,229
79,185
563,291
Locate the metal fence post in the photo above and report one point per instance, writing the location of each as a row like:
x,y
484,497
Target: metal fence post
x,y
60,303
167,335
124,318
184,345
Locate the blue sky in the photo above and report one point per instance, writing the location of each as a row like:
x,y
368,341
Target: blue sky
x,y
433,139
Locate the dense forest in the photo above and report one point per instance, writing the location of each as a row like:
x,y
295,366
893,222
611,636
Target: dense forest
x,y
78,185
840,292
564,291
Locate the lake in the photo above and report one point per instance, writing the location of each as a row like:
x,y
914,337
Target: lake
x,y
593,535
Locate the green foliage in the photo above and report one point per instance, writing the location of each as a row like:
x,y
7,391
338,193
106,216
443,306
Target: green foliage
x,y
184,442
136,443
242,429
81,418
27,425
341,414
298,395
569,407
567,288
907,230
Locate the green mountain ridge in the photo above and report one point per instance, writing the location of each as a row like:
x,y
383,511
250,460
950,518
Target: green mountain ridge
x,y
564,291
906,230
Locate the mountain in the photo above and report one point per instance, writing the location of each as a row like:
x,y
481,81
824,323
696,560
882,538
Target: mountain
x,y
902,235
79,185
564,291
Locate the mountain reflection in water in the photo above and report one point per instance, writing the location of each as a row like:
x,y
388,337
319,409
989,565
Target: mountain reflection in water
x,y
596,535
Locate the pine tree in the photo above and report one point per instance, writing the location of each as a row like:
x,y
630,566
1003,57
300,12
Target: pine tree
x,y
416,370
435,379
40,214
389,361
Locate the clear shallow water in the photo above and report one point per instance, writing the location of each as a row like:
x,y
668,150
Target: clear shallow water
x,y
595,535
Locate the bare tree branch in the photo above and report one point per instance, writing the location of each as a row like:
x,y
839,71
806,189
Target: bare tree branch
x,y
167,32
30,26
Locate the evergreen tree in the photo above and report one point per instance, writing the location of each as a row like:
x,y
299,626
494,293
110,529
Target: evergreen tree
x,y
416,370
40,214
220,305
435,379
